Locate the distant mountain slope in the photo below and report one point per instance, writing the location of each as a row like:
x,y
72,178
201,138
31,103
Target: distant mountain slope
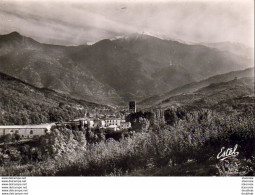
x,y
212,94
49,66
235,48
21,103
192,87
113,71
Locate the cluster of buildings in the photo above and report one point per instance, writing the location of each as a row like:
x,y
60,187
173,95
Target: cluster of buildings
x,y
29,131
109,123
112,124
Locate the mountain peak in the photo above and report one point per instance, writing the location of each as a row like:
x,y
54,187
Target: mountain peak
x,y
143,35
149,36
13,36
14,33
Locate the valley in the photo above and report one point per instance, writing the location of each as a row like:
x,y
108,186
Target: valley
x,y
188,101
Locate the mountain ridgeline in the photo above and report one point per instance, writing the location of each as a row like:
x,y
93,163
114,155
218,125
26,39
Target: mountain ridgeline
x,y
114,71
190,89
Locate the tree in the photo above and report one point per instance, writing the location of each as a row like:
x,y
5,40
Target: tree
x,y
170,116
7,138
17,137
61,105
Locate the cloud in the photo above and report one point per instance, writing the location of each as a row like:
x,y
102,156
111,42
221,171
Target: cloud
x,y
73,23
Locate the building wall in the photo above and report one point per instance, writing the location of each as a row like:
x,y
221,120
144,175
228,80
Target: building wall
x,y
91,123
103,124
113,122
99,123
112,127
24,132
132,106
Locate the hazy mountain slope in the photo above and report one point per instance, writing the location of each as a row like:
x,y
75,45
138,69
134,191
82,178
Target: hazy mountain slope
x,y
189,88
113,71
116,67
198,60
213,93
138,65
235,48
21,103
48,66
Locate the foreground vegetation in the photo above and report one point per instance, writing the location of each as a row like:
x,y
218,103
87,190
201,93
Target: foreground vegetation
x,y
186,144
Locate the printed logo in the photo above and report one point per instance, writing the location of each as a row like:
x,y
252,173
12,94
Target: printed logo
x,y
228,153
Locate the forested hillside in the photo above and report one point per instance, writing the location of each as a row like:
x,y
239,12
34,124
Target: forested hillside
x,y
21,103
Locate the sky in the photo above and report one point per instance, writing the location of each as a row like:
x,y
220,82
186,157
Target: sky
x,y
76,22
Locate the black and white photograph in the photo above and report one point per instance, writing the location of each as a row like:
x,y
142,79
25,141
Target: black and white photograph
x,y
127,88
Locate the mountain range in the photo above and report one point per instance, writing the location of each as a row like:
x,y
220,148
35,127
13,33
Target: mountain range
x,y
213,94
195,87
235,48
113,72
